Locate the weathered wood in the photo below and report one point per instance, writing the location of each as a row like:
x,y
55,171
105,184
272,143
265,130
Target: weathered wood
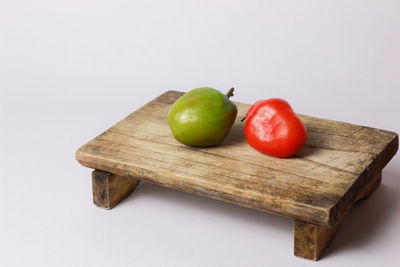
x,y
371,187
315,186
339,164
110,189
310,240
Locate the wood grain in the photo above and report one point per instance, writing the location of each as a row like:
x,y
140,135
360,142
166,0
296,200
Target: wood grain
x,y
110,189
310,240
317,186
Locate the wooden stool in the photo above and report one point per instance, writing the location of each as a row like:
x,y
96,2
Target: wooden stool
x,y
340,164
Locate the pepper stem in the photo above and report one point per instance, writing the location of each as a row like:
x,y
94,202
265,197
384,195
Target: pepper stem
x,y
230,92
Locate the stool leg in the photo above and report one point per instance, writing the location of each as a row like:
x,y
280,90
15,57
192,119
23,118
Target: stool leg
x,y
371,187
310,240
110,189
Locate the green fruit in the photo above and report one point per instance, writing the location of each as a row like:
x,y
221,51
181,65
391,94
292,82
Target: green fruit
x,y
202,117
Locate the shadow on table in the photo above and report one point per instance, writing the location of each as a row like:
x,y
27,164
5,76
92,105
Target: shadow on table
x,y
364,223
223,209
235,136
367,218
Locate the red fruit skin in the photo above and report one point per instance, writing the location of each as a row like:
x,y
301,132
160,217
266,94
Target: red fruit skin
x,y
273,128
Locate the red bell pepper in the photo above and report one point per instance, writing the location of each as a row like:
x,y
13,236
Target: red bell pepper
x,y
273,128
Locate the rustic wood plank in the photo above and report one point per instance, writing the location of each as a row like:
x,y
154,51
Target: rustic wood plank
x,y
110,189
310,240
317,186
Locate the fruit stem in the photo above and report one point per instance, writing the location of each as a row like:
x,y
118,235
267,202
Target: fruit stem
x,y
243,119
230,92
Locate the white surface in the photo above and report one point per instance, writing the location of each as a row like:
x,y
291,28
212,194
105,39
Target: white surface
x,y
70,69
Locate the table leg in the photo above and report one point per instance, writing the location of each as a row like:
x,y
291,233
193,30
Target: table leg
x,y
110,189
369,189
310,240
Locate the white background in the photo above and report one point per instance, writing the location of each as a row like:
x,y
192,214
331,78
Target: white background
x,y
71,69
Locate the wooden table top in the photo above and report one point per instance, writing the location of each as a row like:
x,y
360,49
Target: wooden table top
x,y
316,185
